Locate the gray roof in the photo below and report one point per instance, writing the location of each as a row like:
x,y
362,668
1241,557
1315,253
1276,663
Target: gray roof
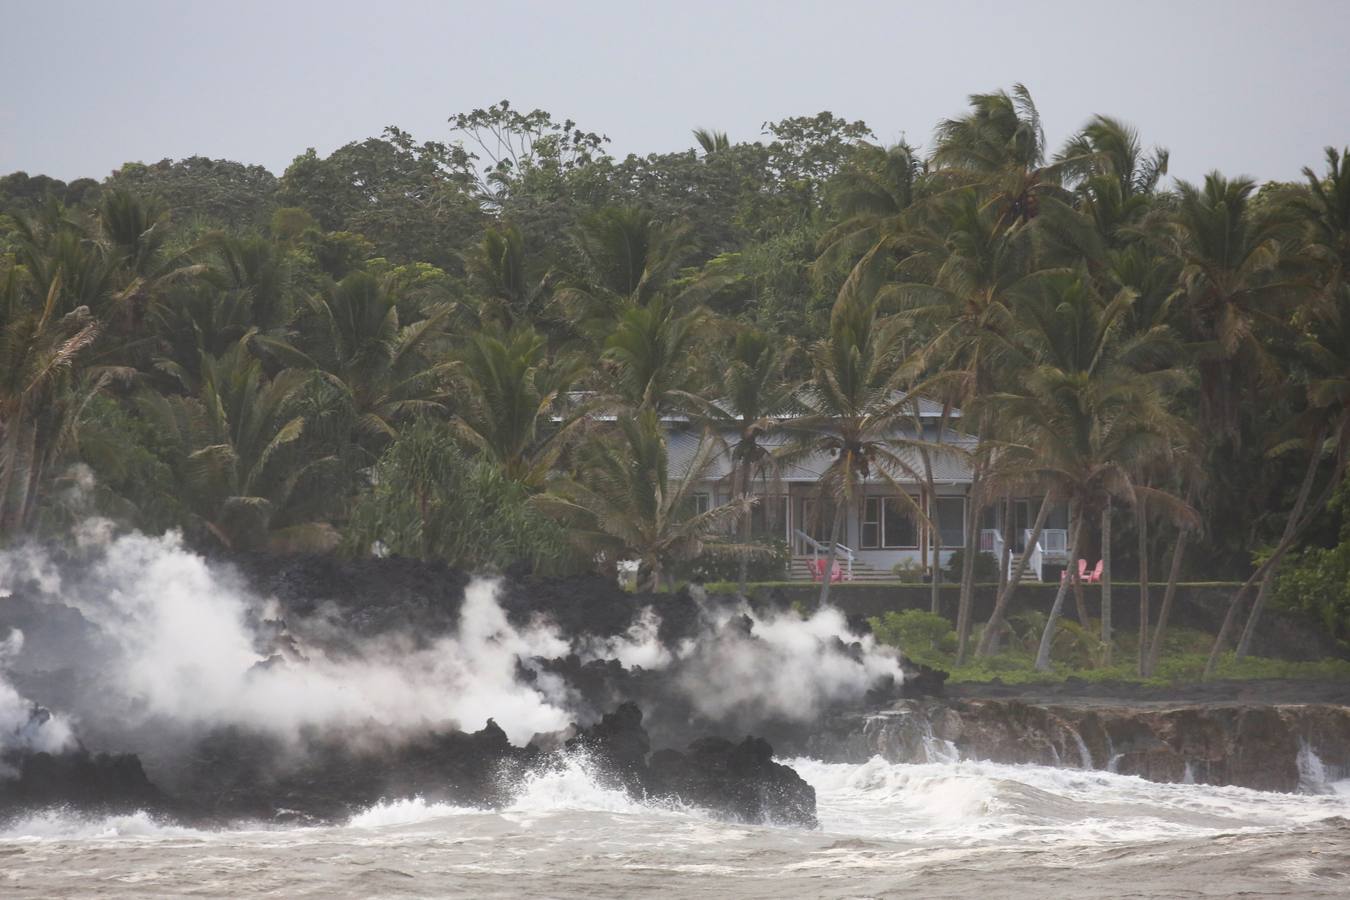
x,y
948,467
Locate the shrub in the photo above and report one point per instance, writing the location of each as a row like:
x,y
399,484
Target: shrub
x,y
770,563
908,571
986,566
924,637
1316,582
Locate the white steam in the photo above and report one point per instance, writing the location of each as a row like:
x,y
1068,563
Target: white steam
x,y
185,653
23,726
189,645
782,666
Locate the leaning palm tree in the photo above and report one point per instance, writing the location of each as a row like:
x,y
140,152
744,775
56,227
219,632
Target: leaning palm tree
x,y
45,383
625,501
1323,428
756,402
1093,405
959,283
852,411
999,146
511,399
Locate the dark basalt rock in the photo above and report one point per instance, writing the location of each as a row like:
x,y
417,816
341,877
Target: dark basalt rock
x,y
102,782
734,781
741,781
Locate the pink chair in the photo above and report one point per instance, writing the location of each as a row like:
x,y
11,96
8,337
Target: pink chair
x,y
1096,576
818,570
1082,572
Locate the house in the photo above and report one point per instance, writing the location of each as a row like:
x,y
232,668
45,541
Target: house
x,y
881,531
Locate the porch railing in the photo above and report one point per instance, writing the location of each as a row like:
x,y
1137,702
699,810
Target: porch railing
x,y
821,549
991,541
1055,540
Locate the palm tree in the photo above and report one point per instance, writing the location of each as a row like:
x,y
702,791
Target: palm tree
x,y
757,401
852,410
964,273
509,392
649,357
1000,146
625,502
710,140
875,197
512,292
44,386
247,477
1229,289
1324,350
1092,407
381,371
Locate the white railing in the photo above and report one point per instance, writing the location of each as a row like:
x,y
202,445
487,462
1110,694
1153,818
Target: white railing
x,y
1055,540
991,541
821,549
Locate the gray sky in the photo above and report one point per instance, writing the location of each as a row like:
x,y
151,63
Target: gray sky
x,y
1246,87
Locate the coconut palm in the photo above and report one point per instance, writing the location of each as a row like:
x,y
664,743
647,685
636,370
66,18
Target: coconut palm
x,y
960,281
236,447
710,140
511,292
509,395
756,402
625,502
1000,146
45,383
875,196
1323,428
1091,407
381,371
649,357
1230,289
851,409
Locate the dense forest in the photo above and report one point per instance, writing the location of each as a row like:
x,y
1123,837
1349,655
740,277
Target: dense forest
x,y
463,349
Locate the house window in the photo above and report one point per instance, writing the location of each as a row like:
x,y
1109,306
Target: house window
x,y
899,531
952,517
871,523
702,502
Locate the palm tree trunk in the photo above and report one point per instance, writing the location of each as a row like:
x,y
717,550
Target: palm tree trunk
x,y
1141,515
834,552
967,598
1299,517
935,579
1048,635
743,575
1005,552
996,618
1245,642
1169,594
1107,637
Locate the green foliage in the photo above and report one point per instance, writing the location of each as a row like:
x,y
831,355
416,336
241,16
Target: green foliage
x,y
429,499
908,571
768,561
1316,582
986,566
922,636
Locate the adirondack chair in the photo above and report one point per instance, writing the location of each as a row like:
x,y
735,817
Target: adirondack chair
x,y
818,570
1096,576
1082,572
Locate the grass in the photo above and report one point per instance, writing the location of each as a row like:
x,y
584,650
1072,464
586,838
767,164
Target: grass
x,y
730,587
1079,653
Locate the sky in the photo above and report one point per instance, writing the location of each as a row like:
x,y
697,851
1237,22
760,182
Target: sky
x,y
1255,88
